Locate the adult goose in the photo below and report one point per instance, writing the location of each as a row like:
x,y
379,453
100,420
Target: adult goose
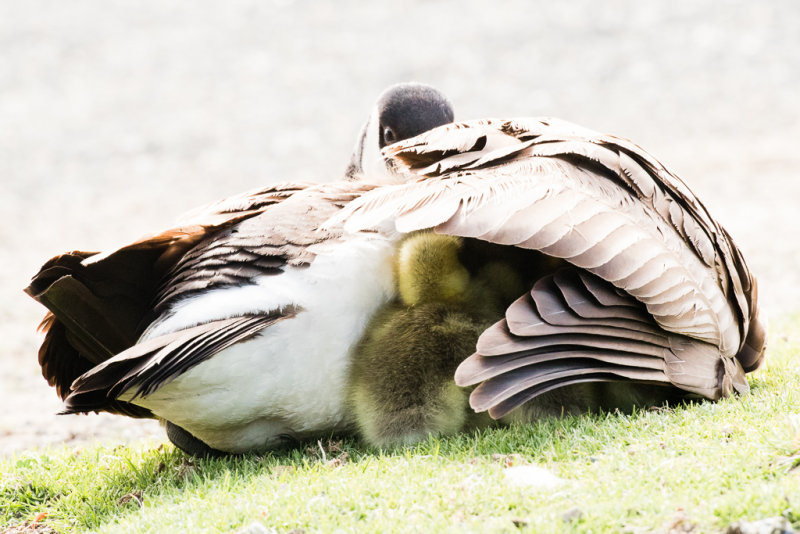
x,y
235,326
238,329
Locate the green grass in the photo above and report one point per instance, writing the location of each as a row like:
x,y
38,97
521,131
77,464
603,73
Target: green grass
x,y
704,464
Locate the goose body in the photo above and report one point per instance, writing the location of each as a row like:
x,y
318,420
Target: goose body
x,y
238,328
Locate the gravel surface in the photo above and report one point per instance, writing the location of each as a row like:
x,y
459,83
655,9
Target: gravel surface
x,y
117,116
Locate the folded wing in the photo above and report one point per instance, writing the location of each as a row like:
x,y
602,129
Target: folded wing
x,y
658,293
146,366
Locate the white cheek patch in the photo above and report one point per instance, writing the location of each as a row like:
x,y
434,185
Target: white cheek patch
x,y
373,163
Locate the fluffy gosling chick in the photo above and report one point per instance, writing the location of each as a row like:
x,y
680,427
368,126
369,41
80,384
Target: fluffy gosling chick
x,y
401,381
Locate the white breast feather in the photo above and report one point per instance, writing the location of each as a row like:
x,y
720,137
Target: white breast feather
x,y
291,378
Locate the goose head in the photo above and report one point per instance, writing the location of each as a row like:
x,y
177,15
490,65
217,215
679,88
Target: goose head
x,y
402,111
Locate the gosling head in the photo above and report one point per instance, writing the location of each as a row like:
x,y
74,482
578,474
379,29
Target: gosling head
x,y
428,270
402,111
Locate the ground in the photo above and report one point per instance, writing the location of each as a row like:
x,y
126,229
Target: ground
x,y
115,117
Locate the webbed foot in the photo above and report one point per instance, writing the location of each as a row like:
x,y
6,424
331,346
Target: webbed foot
x,y
190,444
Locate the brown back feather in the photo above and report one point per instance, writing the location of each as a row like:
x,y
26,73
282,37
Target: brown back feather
x,y
100,303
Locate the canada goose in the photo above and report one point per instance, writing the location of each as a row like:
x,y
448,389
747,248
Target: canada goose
x,y
655,293
401,384
234,327
220,310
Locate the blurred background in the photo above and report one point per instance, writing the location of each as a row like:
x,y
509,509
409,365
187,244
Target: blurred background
x,y
116,116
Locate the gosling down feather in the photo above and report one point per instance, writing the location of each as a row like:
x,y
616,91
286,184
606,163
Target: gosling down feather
x,y
654,290
401,386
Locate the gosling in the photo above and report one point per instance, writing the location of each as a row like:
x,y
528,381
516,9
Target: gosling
x,y
401,387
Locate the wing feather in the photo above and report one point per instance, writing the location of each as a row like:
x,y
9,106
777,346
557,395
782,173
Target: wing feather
x,y
656,272
530,344
143,368
575,176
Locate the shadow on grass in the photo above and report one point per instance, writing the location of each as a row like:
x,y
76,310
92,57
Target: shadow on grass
x,y
87,488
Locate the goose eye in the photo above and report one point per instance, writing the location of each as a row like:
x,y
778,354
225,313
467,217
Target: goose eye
x,y
389,136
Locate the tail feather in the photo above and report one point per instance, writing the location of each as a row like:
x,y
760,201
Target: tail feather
x,y
99,303
60,361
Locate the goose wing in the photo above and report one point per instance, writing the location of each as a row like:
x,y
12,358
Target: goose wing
x,y
657,292
101,303
144,367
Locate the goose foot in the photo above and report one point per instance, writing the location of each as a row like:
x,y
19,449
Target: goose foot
x,y
190,444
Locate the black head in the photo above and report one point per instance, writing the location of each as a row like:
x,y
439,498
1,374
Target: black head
x,y
406,110
402,111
